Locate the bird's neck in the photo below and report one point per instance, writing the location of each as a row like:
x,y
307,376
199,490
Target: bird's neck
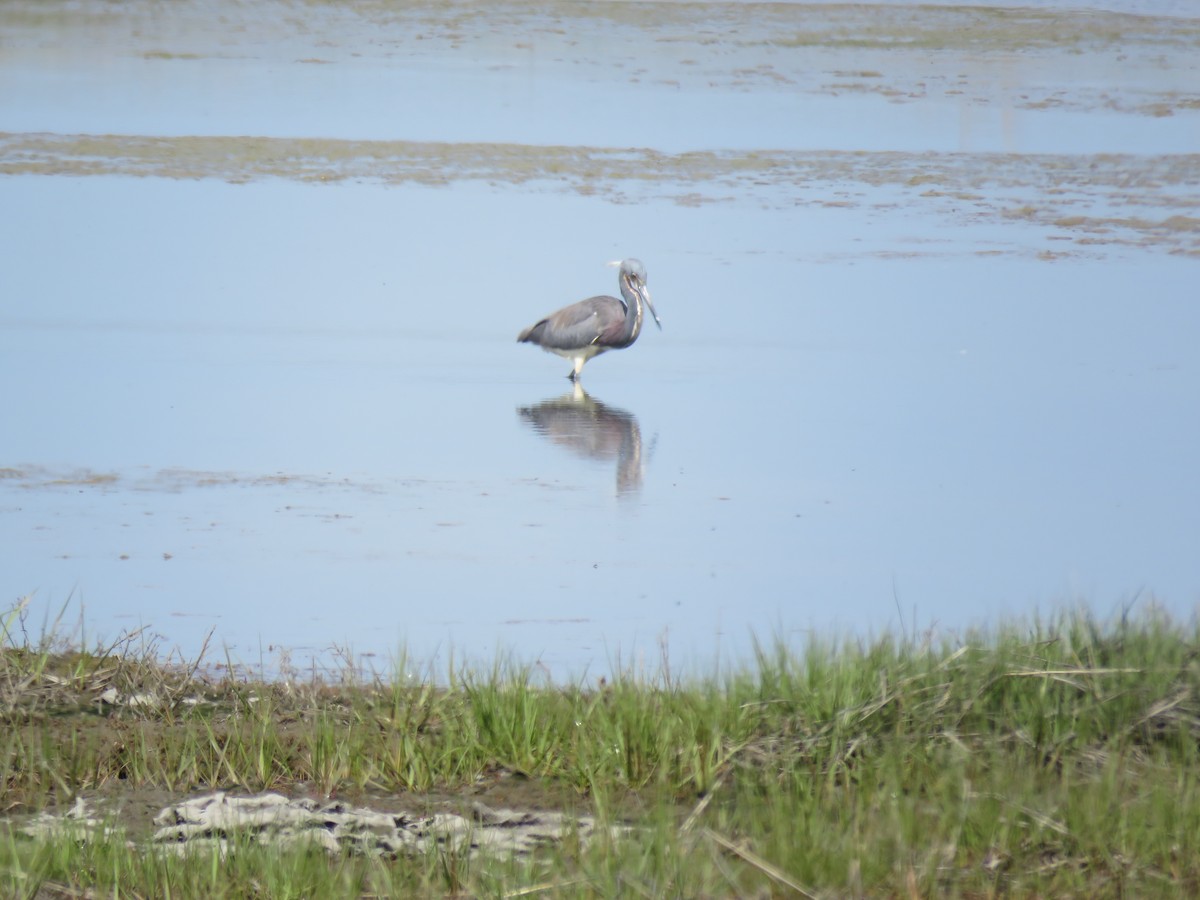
x,y
634,301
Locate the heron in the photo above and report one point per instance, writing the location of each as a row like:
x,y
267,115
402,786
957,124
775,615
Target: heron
x,y
588,328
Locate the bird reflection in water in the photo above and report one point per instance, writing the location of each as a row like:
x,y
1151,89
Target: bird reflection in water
x,y
593,430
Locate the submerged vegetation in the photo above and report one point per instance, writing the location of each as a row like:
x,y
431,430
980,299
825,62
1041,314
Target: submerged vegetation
x,y
1053,758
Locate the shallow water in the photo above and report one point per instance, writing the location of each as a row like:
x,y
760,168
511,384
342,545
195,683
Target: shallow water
x,y
927,357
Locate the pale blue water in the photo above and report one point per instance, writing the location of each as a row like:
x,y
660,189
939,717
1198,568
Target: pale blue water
x,y
296,414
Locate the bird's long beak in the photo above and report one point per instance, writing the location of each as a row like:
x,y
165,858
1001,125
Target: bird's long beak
x,y
645,292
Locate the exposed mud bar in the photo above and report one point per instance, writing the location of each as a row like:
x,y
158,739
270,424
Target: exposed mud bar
x,y
222,820
1124,199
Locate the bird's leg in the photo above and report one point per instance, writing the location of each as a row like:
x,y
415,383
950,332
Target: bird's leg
x,y
572,375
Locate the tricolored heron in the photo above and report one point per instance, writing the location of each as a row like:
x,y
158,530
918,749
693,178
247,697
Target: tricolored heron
x,y
588,328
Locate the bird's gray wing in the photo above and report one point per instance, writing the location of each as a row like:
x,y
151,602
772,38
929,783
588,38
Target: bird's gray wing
x,y
577,325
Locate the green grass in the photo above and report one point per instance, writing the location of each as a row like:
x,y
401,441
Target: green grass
x,y
1049,758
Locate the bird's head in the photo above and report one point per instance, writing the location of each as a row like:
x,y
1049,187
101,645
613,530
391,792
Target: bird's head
x,y
633,278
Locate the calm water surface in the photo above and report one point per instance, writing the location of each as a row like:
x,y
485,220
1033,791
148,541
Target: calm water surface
x,y
294,413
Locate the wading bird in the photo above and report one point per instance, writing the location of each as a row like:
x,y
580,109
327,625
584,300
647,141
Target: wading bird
x,y
588,328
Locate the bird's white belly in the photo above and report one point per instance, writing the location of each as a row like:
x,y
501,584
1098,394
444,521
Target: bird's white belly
x,y
584,353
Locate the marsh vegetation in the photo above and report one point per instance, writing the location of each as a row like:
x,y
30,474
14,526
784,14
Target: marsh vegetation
x,y
1055,757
